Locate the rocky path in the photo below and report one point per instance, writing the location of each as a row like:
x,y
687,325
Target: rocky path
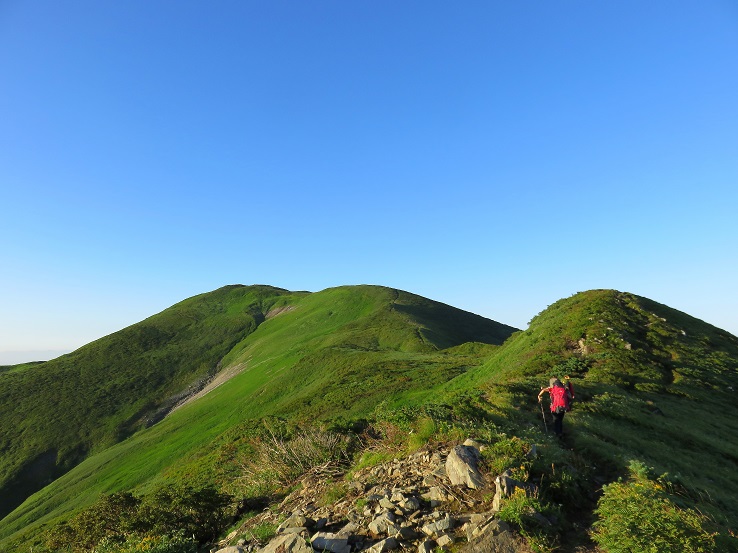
x,y
427,501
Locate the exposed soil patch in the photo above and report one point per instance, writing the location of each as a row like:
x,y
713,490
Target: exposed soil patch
x,y
220,378
279,310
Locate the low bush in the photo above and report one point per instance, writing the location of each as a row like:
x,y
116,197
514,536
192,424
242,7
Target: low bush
x,y
280,456
121,522
640,514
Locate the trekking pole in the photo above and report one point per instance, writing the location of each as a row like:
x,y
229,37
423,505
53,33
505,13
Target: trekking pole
x,y
543,413
544,418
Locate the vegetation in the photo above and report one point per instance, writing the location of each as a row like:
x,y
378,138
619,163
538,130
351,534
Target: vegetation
x,y
352,376
159,521
641,514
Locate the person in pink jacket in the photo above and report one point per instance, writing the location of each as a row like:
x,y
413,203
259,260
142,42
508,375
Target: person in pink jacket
x,y
561,396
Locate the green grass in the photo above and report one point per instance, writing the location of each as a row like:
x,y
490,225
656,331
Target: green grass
x,y
652,384
56,413
336,354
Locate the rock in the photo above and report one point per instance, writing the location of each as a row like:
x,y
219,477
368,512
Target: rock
x,y
293,522
491,542
444,540
407,533
435,496
430,480
384,524
437,528
487,525
385,545
296,530
461,467
473,443
348,530
397,497
288,543
427,546
504,487
410,504
325,541
231,549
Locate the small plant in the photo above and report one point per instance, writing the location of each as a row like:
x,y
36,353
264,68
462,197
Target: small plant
x,y
508,453
333,493
421,435
263,532
525,511
641,515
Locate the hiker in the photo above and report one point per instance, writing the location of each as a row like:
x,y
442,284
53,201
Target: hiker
x,y
561,397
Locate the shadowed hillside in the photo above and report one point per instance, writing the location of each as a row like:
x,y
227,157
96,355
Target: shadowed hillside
x,y
55,413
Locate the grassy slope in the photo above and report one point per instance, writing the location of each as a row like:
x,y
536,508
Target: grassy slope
x,y
55,413
652,384
337,353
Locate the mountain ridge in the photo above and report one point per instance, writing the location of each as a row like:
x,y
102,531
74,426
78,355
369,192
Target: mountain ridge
x,y
347,356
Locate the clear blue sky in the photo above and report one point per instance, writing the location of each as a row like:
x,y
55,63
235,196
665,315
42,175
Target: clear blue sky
x,y
495,156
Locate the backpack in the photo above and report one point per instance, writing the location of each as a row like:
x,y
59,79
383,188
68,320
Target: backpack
x,y
560,399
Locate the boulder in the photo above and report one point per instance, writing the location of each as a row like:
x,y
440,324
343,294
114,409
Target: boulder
x,y
461,467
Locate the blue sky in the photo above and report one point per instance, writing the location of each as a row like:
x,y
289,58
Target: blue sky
x,y
495,156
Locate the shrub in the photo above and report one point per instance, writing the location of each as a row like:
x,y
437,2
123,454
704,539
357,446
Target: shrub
x,y
525,511
156,521
280,457
639,515
149,544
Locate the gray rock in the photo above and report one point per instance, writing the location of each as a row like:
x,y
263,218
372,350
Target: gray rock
x,y
489,542
384,524
473,443
485,526
427,546
385,545
407,533
288,543
444,540
435,495
437,528
325,541
410,504
461,467
231,549
295,521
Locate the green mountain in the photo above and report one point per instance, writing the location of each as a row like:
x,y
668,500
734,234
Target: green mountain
x,y
653,385
56,414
